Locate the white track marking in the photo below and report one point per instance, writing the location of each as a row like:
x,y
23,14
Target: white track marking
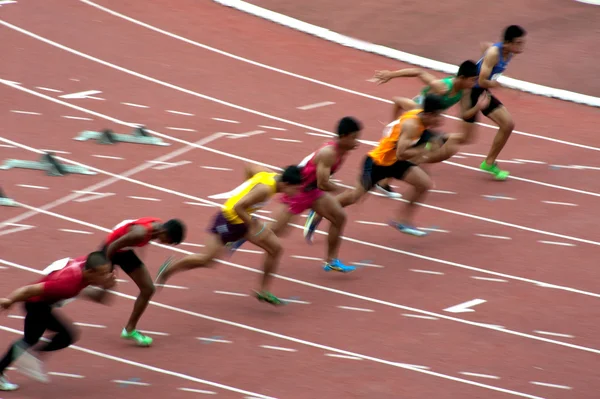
x,y
197,391
493,377
170,165
181,129
230,293
76,231
143,198
272,128
180,113
7,146
498,280
16,316
89,325
318,134
342,356
279,348
220,341
492,236
530,161
217,168
25,112
82,94
16,228
366,264
545,384
225,120
48,89
286,140
371,223
198,204
34,187
176,287
135,105
553,334
315,105
357,309
56,151
418,316
498,197
420,369
307,258
108,157
162,334
426,272
434,230
442,192
124,382
92,196
79,118
559,203
295,301
564,244
465,306
65,375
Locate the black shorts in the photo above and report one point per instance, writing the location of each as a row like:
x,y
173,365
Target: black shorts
x,y
227,231
475,93
127,260
373,173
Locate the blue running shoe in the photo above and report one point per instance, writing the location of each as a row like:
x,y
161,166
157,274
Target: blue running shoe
x,y
406,229
310,226
233,246
338,266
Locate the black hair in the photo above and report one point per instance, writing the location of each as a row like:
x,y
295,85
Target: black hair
x,y
513,32
292,175
348,125
432,103
95,259
175,229
467,69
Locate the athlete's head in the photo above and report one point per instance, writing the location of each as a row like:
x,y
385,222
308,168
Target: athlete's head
x,y
467,75
97,269
290,180
432,111
172,232
348,131
514,39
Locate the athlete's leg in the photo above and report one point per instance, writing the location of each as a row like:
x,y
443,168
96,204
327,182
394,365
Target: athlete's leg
x,y
505,123
283,215
421,183
329,208
141,277
268,241
66,335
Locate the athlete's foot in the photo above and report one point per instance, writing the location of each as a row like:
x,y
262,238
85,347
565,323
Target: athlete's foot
x,y
338,266
161,277
494,170
138,337
29,365
6,385
266,296
408,229
233,246
312,221
386,189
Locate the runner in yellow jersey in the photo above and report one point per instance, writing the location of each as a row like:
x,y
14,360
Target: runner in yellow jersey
x,y
407,143
235,221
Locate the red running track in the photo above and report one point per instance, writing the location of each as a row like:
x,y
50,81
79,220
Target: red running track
x,y
385,329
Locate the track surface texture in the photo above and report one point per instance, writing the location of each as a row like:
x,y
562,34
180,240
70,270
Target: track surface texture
x,y
222,88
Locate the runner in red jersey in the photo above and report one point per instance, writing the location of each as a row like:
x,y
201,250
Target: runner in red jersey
x,y
119,246
63,281
317,169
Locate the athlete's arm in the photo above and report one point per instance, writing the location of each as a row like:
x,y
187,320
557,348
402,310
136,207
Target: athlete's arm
x,y
407,136
426,77
252,169
491,58
22,294
258,194
468,111
135,236
324,165
484,46
402,104
95,294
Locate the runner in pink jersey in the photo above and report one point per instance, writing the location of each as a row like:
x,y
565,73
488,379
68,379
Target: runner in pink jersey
x,y
317,169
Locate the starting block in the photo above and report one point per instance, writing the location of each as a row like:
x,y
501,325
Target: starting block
x,y
139,136
5,201
48,164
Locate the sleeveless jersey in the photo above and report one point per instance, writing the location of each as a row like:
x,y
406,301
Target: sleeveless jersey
x,y
499,68
266,178
309,167
123,228
63,281
385,152
447,99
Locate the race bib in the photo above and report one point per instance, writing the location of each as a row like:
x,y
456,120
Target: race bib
x,y
56,266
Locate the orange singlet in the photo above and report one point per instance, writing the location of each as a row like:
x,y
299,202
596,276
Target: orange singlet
x,y
385,152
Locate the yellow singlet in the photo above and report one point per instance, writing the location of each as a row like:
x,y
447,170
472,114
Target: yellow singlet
x,y
385,152
240,192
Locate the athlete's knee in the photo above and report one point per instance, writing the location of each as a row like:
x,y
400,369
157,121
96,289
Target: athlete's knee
x,y
148,289
337,216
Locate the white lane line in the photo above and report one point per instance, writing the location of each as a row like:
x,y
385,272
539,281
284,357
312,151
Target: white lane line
x,y
343,356
263,211
559,203
372,223
564,244
492,236
7,146
135,105
434,230
56,151
306,258
176,287
272,128
286,140
217,168
65,375
545,384
553,334
220,341
179,113
493,377
108,157
426,272
364,264
35,187
498,197
182,129
357,309
49,89
25,112
92,196
170,165
530,161
143,384
224,120
198,204
295,301
162,334
441,192
279,348
16,316
498,280
197,391
16,228
235,136
189,244
89,325
315,105
418,316
79,118
143,198
76,231
120,280
318,134
230,293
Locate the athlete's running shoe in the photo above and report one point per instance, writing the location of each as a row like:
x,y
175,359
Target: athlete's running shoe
x,y
233,246
312,221
494,170
406,229
6,385
265,296
337,266
139,338
386,189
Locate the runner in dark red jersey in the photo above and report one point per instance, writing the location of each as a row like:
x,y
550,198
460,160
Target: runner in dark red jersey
x,y
64,280
317,169
119,246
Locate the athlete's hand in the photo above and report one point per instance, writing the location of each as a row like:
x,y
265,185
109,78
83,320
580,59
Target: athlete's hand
x,y
382,77
5,303
483,101
110,282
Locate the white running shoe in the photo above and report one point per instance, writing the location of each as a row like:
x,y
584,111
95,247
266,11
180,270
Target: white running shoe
x,y
5,385
32,367
387,191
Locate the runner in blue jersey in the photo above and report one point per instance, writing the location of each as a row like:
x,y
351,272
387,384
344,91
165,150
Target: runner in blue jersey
x,y
492,64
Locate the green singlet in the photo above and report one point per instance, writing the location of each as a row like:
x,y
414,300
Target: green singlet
x,y
447,100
